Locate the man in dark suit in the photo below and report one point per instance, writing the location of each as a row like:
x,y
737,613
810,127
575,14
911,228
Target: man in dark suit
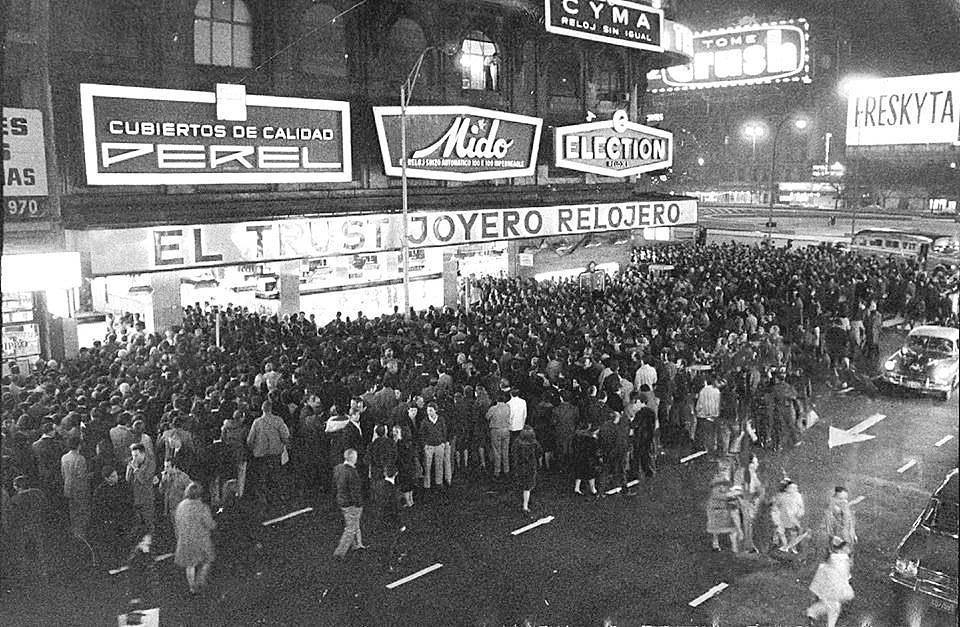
x,y
347,483
644,425
386,499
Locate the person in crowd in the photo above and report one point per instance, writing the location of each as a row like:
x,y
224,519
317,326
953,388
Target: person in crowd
x,y
349,499
831,585
786,414
48,451
386,499
121,437
563,418
173,485
706,413
525,452
142,579
723,515
643,427
194,526
838,519
139,435
788,511
406,463
76,488
267,440
518,413
27,524
584,451
141,478
381,453
498,419
112,508
749,487
433,435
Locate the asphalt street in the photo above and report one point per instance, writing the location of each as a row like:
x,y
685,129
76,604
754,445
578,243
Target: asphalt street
x,y
636,560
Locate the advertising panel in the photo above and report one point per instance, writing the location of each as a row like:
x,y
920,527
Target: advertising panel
x,y
122,251
742,55
455,143
617,22
142,136
904,110
20,340
24,164
616,147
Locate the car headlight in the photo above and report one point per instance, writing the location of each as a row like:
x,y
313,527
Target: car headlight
x,y
907,568
890,364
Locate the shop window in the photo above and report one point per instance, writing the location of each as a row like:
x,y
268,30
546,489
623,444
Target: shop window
x,y
479,63
321,47
222,33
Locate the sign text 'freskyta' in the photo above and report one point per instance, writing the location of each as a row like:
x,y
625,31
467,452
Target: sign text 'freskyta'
x,y
615,147
458,143
745,55
617,22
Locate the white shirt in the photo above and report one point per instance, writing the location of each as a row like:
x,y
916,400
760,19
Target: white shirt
x,y
518,413
646,375
708,402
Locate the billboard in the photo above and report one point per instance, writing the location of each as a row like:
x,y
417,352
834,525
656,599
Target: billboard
x,y
742,55
24,164
143,136
616,147
122,251
921,109
617,22
458,143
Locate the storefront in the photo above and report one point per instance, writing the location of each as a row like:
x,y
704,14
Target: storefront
x,y
39,299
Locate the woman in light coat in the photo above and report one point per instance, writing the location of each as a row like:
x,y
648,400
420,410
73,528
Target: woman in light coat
x,y
194,524
831,584
751,493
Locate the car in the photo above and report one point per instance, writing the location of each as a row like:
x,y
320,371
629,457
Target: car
x,y
927,362
925,570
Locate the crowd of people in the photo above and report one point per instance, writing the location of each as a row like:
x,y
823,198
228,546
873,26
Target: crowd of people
x,y
257,410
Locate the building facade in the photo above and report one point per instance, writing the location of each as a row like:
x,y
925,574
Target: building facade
x,y
163,199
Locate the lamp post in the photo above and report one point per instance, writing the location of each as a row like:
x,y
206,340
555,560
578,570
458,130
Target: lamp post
x,y
753,131
406,92
799,124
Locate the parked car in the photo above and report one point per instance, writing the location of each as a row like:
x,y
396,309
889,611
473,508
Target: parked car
x,y
925,570
928,362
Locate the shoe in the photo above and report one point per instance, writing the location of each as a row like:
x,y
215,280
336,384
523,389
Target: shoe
x,y
715,549
578,492
360,547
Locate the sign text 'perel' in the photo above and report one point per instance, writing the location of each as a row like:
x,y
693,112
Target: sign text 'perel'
x,y
455,143
143,136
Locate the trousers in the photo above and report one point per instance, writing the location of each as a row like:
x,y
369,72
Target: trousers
x,y
351,530
434,457
500,451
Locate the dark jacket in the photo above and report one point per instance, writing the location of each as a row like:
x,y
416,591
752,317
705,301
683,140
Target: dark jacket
x,y
347,481
386,498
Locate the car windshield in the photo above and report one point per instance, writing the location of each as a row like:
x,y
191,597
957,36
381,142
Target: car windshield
x,y
927,344
944,517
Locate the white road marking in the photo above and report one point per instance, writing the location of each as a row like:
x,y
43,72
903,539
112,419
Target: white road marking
x,y
717,589
613,490
286,516
865,424
117,571
684,460
534,524
859,499
845,390
943,440
630,484
159,558
165,556
910,464
419,573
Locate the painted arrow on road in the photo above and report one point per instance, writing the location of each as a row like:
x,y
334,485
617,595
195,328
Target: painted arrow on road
x,y
839,437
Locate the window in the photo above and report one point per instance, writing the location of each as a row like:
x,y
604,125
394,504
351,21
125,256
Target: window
x,y
322,51
892,243
877,242
479,63
608,79
222,33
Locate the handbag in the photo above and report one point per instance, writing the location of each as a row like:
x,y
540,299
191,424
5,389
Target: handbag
x,y
284,457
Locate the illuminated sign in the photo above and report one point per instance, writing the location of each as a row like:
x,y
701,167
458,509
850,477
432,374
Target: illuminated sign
x,y
455,143
141,136
904,110
617,22
616,147
123,251
24,164
744,55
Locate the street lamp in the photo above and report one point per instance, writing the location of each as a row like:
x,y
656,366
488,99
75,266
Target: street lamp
x,y
406,92
798,123
754,131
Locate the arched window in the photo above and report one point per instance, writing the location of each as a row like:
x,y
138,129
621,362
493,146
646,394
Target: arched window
x,y
222,33
322,49
608,78
479,63
402,45
563,76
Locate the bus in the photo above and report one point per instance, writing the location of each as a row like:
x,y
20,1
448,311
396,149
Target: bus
x,y
939,250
